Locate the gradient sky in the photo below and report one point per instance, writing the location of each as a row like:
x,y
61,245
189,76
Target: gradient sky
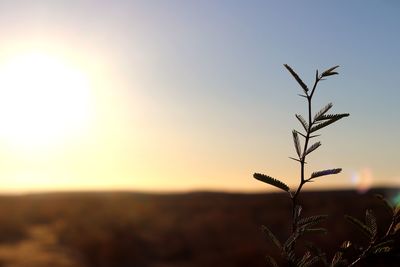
x,y
190,95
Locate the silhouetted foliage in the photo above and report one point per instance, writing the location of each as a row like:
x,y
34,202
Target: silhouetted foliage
x,y
294,251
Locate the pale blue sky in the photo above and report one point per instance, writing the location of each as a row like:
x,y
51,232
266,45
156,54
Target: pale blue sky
x,y
203,96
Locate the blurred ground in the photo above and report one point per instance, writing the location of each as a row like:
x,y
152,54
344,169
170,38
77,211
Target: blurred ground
x,y
164,230
39,249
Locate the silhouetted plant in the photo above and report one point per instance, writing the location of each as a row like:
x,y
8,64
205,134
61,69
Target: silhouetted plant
x,y
300,225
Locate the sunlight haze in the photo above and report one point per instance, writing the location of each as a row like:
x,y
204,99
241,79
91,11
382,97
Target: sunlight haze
x,y
193,95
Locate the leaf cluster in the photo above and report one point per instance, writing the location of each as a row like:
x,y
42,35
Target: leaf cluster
x,y
302,226
319,121
301,140
369,228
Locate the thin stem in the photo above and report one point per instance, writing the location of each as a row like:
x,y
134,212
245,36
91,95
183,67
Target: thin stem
x,y
303,159
392,224
303,156
362,256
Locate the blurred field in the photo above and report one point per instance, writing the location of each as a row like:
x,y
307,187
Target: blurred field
x,y
160,230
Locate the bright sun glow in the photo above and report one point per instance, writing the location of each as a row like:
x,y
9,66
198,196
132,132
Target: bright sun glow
x,y
43,100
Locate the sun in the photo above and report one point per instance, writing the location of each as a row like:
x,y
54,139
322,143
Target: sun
x,y
44,99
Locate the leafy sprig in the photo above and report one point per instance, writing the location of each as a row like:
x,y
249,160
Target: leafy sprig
x,y
303,225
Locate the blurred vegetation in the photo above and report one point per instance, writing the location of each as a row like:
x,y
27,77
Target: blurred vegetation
x,y
194,229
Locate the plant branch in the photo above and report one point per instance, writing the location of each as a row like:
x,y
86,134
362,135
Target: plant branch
x,y
365,253
302,159
299,228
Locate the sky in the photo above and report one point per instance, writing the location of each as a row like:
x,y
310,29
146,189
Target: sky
x,y
193,95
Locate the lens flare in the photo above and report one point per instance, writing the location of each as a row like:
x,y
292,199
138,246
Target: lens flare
x,y
362,180
395,200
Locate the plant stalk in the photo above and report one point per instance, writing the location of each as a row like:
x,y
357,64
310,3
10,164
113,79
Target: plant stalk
x,y
303,156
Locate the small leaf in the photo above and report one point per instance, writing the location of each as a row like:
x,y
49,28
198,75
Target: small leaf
x,y
370,221
294,74
332,116
291,256
311,261
337,259
329,120
387,243
361,226
319,230
312,220
317,251
302,121
287,246
271,236
382,250
313,147
271,181
325,172
322,111
303,260
329,72
296,143
296,159
271,261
